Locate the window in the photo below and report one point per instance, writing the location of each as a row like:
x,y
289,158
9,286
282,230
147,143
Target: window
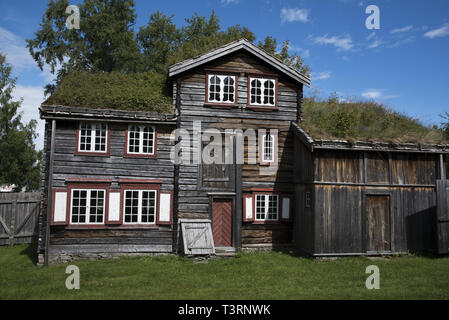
x,y
308,200
262,92
221,88
92,137
87,206
140,207
141,140
267,207
268,148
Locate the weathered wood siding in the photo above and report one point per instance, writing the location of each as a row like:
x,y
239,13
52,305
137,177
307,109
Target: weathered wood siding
x,y
341,183
68,165
194,201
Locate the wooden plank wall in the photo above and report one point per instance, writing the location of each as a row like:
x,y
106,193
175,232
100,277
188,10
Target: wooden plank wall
x,y
194,202
343,177
68,165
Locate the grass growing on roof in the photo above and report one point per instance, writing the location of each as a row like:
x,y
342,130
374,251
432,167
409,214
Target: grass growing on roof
x,y
364,120
113,90
259,275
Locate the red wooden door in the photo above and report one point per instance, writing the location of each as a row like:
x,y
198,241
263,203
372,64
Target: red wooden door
x,y
222,222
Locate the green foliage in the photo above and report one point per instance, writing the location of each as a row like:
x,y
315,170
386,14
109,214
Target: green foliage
x,y
19,162
363,120
445,125
113,90
104,42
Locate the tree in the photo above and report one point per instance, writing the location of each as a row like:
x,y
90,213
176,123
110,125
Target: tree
x,y
19,161
104,42
445,125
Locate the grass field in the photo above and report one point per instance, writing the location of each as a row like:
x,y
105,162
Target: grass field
x,y
262,275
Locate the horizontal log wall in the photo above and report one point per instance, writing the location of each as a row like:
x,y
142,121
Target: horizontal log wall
x,y
193,201
116,166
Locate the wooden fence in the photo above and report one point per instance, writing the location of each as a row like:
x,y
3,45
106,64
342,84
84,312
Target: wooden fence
x,y
19,217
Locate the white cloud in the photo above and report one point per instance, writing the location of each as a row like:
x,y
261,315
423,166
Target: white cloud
x,y
294,14
341,42
377,94
321,75
226,2
401,42
440,32
32,96
376,43
304,53
404,29
371,35
15,50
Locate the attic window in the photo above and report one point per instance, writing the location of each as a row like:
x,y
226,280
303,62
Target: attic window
x,y
221,89
262,92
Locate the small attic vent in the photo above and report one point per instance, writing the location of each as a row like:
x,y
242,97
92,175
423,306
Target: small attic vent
x,y
197,236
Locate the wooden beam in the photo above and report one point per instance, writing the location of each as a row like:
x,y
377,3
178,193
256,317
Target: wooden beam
x,y
49,189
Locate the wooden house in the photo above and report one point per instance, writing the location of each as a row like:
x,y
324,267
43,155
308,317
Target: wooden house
x,y
369,198
111,186
113,183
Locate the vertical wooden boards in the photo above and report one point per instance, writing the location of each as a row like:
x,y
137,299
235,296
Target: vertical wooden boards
x,y
197,236
222,222
443,216
377,219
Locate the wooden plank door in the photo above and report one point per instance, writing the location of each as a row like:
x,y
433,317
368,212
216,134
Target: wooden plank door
x,y
443,216
222,222
377,213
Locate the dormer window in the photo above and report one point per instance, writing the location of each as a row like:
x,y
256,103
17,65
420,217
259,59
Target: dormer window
x,y
262,92
221,89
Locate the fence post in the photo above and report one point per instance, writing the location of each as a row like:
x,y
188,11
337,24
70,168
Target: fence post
x,y
13,222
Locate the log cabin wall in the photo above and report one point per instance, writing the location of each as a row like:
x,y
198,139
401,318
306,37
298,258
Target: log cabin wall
x,y
344,185
75,241
194,201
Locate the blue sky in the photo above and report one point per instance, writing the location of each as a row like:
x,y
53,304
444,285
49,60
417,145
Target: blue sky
x,y
404,64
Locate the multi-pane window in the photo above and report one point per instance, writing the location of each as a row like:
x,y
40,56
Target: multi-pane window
x,y
221,88
92,137
87,206
141,140
140,207
267,148
267,207
262,91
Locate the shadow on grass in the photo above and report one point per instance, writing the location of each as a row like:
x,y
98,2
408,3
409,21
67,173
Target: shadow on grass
x,y
31,252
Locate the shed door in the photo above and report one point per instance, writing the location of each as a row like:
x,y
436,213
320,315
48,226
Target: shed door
x,y
443,216
377,209
222,222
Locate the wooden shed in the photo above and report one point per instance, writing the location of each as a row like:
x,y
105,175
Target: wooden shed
x,y
367,198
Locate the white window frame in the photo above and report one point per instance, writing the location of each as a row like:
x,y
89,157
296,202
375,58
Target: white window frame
x,y
139,206
88,198
266,206
93,137
141,129
262,95
222,77
264,148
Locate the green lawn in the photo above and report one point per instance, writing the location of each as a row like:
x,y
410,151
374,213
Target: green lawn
x,y
262,275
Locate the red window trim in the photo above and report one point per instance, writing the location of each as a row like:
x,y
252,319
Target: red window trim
x,y
93,153
88,186
139,186
115,222
263,107
136,155
275,148
222,104
281,194
170,192
53,198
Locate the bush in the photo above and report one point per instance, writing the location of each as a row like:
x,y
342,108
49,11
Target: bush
x,y
113,90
